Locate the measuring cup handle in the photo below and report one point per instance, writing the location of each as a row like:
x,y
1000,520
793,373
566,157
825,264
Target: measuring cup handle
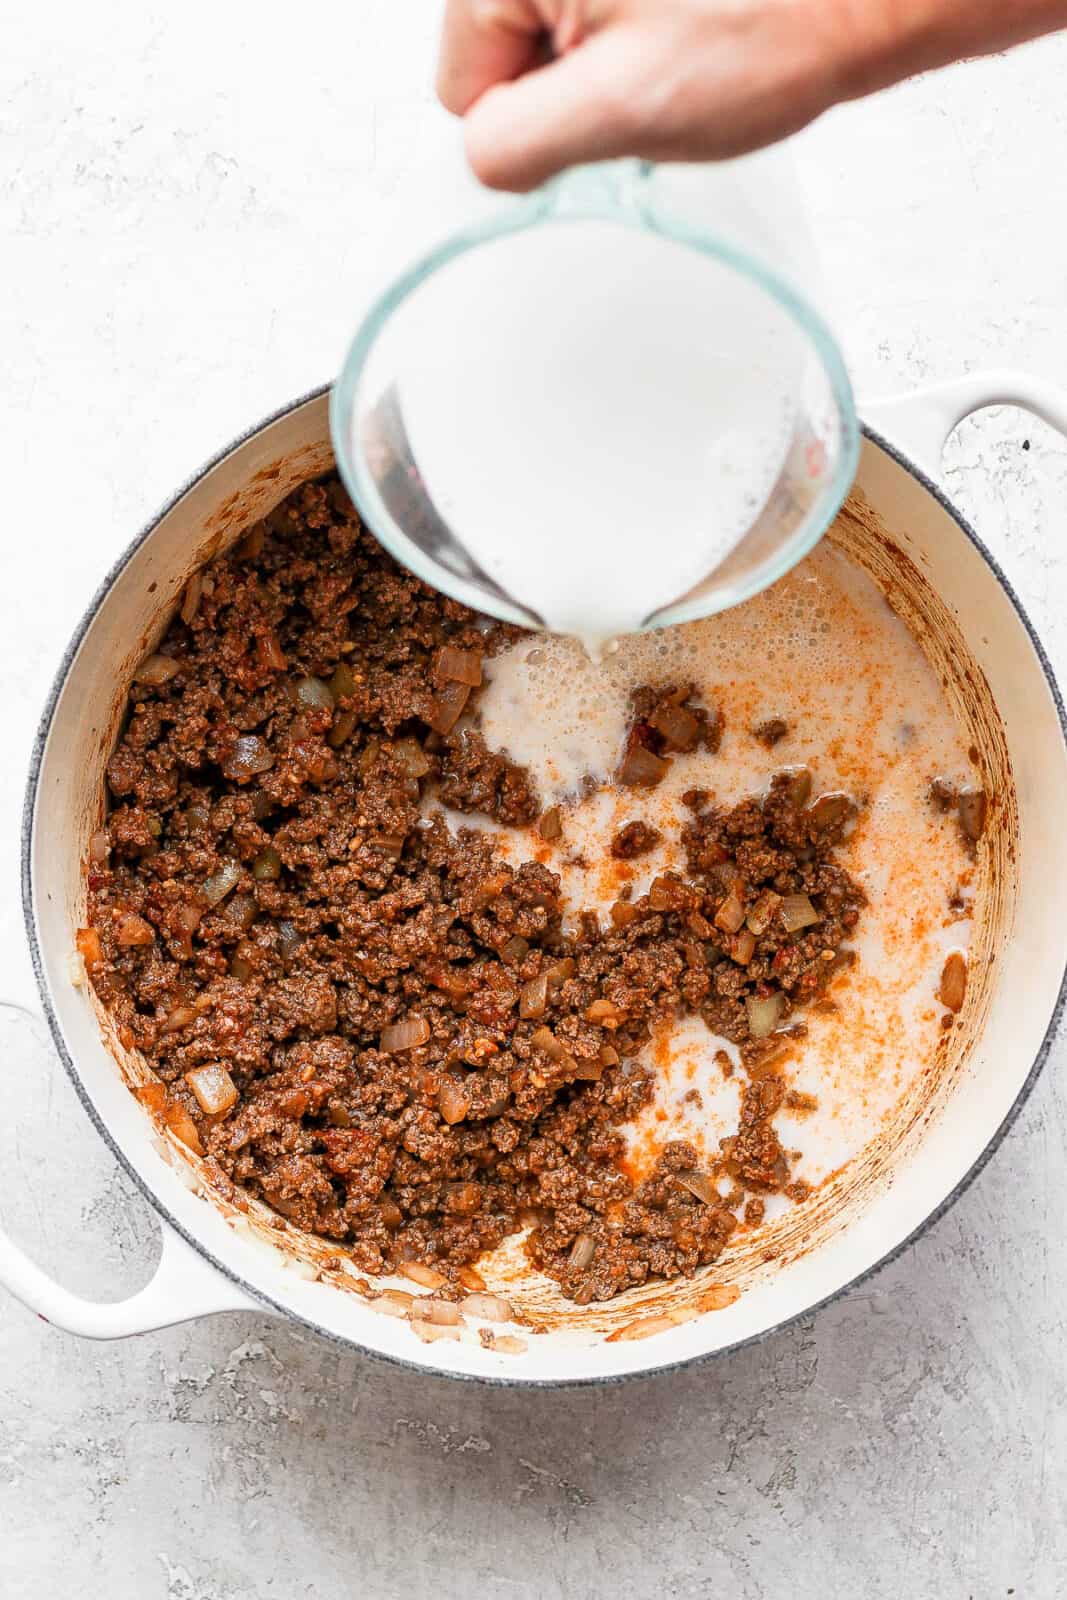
x,y
920,422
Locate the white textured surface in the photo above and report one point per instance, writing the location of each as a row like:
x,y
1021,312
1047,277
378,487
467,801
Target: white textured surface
x,y
189,197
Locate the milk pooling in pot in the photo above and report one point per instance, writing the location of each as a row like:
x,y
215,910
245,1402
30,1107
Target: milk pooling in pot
x,y
598,413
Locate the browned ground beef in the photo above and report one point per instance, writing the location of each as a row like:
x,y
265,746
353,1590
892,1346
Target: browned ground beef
x,y
272,900
771,732
633,840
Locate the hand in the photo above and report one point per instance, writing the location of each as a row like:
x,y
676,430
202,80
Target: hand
x,y
545,84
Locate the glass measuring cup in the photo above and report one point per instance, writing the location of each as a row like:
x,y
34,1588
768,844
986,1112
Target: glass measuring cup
x,y
425,424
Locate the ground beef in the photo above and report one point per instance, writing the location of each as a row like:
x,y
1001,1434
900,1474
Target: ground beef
x,y
633,840
379,1027
771,732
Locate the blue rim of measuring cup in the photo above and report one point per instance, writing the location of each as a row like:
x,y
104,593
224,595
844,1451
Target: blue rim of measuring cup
x,y
529,213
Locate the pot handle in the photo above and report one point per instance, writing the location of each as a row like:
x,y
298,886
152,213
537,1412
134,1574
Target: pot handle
x,y
184,1286
920,421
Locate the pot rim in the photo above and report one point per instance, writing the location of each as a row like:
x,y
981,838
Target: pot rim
x,y
516,1382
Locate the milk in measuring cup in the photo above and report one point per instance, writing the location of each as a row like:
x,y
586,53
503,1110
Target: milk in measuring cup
x,y
599,413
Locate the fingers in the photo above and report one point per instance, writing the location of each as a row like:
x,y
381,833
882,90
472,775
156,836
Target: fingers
x,y
485,42
576,109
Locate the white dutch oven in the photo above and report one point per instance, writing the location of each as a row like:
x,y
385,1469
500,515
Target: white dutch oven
x,y
218,1258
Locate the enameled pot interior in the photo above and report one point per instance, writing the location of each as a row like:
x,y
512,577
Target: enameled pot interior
x,y
946,590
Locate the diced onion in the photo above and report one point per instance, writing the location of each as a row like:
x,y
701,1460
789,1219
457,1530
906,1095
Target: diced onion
x,y
270,651
288,939
99,848
218,886
395,1303
582,1252
448,707
471,1279
314,694
445,1313
152,1095
179,1017
453,980
663,893
623,913
743,947
798,912
546,1040
943,794
267,867
411,758
134,932
764,1014
973,805
182,1126
213,1087
89,946
953,987
533,1000
251,544
406,1035
829,811
700,1185
389,844
429,1332
550,826
249,756
188,918
488,1308
458,666
191,598
797,782
604,1013
343,727
343,683
678,726
452,1103
156,670
641,768
730,915
418,1272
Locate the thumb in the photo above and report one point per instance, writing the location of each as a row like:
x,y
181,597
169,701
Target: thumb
x,y
576,109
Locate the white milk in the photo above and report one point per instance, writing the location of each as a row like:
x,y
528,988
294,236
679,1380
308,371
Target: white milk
x,y
598,413
823,651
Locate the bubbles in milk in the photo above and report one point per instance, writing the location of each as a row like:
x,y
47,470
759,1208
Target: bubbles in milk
x,y
565,716
598,413
865,711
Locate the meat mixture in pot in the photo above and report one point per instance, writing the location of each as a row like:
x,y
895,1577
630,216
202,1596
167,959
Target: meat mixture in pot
x,y
375,1024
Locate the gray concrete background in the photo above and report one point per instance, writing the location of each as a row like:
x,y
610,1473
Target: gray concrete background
x,y
188,209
